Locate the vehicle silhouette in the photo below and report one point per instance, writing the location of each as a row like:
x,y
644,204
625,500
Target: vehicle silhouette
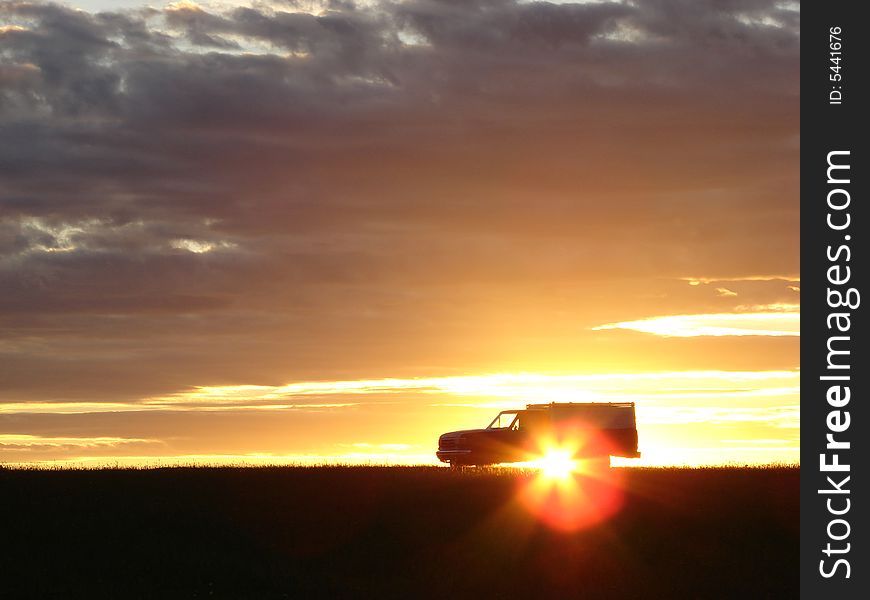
x,y
588,430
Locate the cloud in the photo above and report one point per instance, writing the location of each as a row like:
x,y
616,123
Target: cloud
x,y
10,444
26,440
168,405
751,278
724,324
784,417
195,195
314,396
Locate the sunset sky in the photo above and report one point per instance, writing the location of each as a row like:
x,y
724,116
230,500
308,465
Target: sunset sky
x,y
330,231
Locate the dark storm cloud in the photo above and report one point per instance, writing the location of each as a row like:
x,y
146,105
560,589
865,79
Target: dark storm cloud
x,y
258,194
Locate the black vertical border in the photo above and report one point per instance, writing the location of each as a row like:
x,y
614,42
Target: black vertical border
x,y
827,127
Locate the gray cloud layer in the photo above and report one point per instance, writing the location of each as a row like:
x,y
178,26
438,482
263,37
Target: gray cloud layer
x,y
258,195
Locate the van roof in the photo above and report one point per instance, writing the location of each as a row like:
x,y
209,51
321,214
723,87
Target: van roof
x,y
580,405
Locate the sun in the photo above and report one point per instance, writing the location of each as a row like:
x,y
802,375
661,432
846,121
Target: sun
x,y
568,493
557,464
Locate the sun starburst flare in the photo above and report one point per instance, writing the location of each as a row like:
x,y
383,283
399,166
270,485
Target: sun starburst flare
x,y
557,464
571,492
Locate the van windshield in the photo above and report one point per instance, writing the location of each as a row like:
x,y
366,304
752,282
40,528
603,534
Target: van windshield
x,y
508,419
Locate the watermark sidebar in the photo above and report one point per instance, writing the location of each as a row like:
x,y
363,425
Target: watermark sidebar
x,y
834,223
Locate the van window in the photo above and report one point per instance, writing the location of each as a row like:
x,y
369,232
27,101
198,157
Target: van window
x,y
505,420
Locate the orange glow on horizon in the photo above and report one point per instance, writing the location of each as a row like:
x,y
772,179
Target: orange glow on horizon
x,y
683,417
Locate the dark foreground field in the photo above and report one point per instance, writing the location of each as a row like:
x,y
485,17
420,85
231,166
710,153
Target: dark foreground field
x,y
389,532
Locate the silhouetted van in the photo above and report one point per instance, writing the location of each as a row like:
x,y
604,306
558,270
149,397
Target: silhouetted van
x,y
587,430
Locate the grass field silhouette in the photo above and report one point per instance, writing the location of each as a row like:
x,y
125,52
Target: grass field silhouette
x,y
391,532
